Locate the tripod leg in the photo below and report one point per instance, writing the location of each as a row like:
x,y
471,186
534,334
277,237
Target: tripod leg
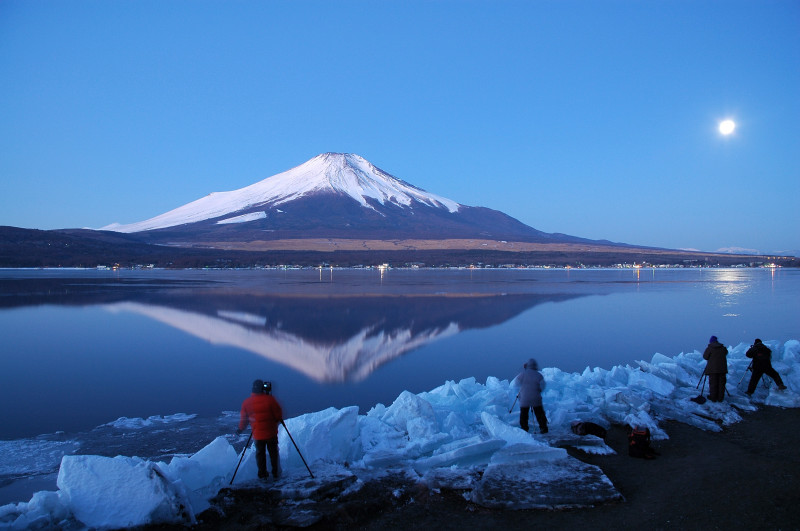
x,y
749,368
514,404
242,457
298,449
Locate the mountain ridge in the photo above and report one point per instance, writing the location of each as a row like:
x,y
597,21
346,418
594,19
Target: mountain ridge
x,y
336,196
338,173
335,208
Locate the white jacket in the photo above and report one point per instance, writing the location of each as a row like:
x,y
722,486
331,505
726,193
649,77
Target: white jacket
x,y
531,384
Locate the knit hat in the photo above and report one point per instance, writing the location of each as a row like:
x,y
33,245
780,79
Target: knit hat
x,y
713,339
258,386
757,341
532,365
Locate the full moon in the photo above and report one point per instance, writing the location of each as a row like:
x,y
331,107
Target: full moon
x,y
726,127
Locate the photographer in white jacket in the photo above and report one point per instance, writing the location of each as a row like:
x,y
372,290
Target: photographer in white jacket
x,y
531,384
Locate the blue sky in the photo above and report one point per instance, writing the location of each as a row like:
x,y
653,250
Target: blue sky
x,y
597,119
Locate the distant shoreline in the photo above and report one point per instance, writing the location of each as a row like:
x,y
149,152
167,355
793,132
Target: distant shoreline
x,y
87,248
632,267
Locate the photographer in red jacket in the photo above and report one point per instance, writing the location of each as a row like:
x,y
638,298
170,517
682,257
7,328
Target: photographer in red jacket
x,y
263,413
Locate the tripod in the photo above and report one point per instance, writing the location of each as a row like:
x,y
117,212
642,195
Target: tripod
x,y
246,446
700,399
750,369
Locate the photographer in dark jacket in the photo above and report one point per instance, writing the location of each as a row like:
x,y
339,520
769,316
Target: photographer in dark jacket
x,y
716,369
762,364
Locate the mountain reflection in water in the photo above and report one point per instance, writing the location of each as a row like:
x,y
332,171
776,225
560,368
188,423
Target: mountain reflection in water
x,y
91,346
84,347
332,339
340,335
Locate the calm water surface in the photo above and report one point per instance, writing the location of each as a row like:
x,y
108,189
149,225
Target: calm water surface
x,y
82,348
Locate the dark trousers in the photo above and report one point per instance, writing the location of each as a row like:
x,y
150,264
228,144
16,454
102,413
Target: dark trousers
x,y
261,456
758,372
540,418
716,387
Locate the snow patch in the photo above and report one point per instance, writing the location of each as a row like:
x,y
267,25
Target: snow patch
x,y
244,218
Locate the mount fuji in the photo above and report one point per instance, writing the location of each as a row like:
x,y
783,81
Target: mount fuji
x,y
336,208
334,199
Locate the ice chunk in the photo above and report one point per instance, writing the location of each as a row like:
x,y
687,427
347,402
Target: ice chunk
x,y
45,510
330,435
510,434
524,452
454,425
467,455
104,493
204,473
541,483
791,352
650,381
216,460
669,371
782,398
599,448
139,423
413,415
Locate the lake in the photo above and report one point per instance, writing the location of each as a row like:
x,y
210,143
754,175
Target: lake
x,y
81,348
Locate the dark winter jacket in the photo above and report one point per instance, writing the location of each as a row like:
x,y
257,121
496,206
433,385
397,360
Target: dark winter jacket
x,y
761,355
531,384
264,413
716,354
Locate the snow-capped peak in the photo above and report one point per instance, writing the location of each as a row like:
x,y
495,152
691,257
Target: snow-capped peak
x,y
355,176
342,173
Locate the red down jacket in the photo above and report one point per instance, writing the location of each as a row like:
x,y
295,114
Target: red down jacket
x,y
262,412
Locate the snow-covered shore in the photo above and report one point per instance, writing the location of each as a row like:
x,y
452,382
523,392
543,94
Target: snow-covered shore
x,y
459,435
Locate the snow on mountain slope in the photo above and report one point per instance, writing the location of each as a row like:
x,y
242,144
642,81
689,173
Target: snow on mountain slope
x,y
340,173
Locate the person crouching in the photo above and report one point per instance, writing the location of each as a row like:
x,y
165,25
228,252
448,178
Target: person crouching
x,y
762,364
